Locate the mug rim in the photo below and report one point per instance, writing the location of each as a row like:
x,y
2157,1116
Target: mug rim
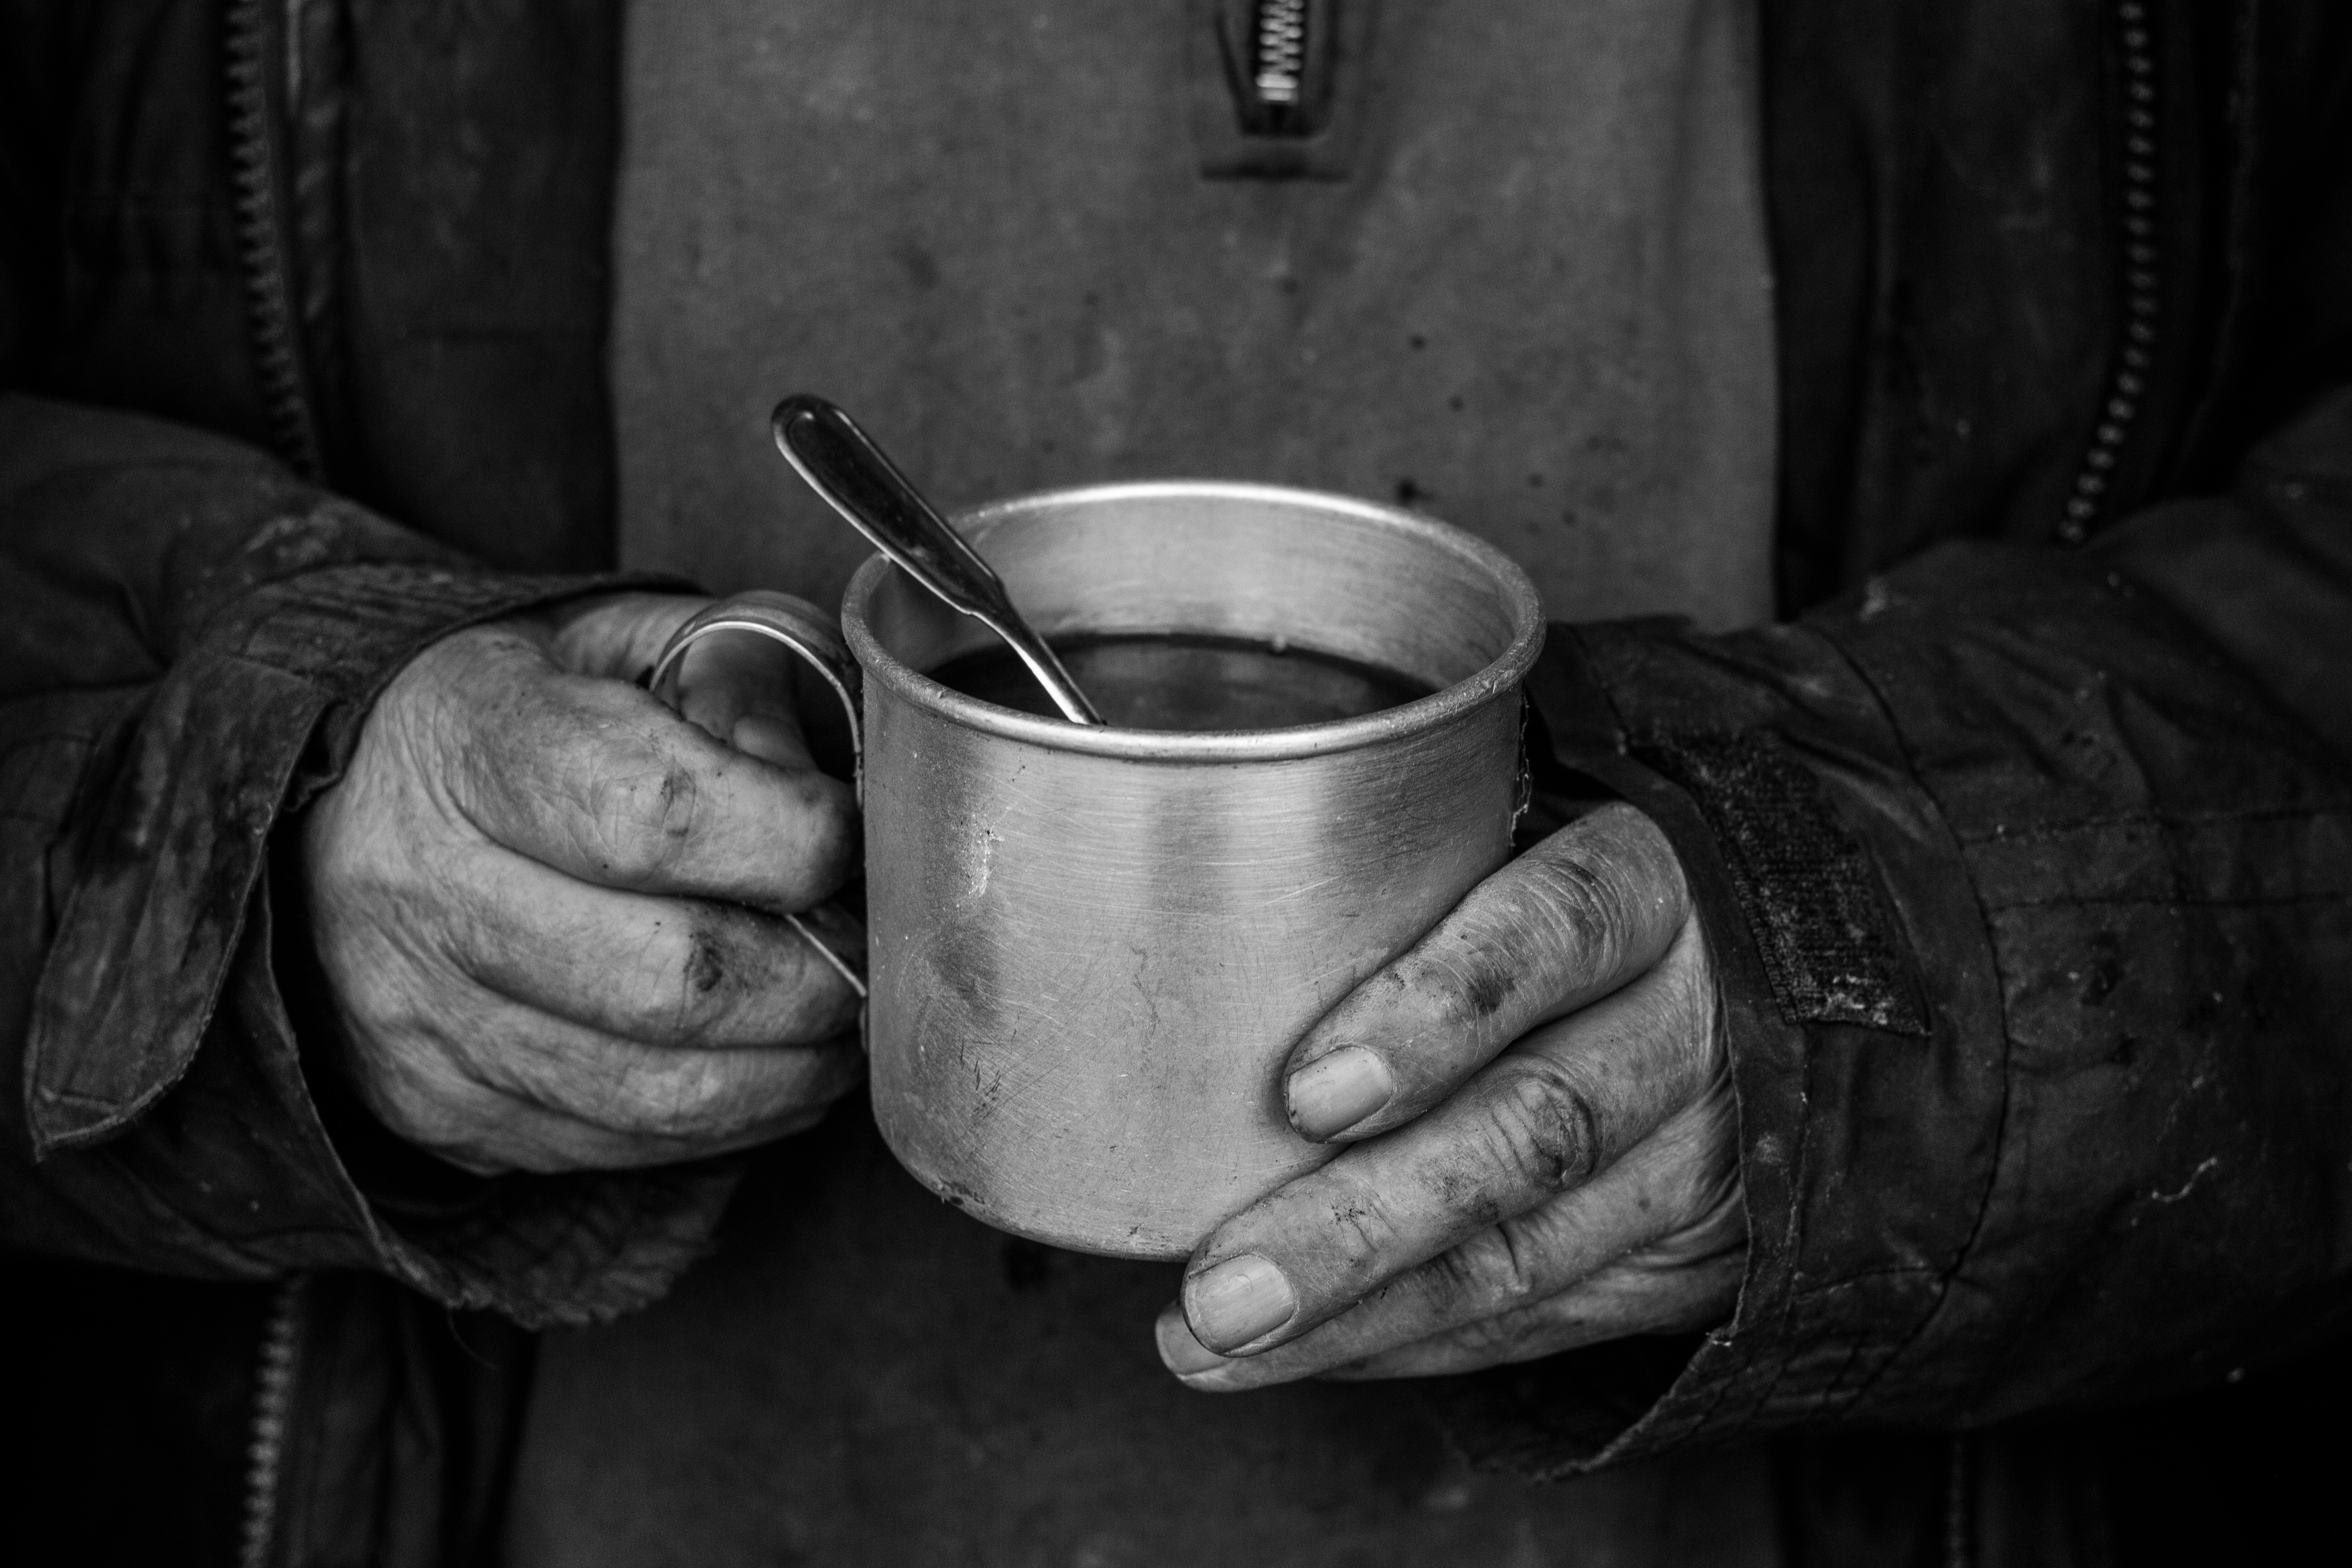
x,y
1520,602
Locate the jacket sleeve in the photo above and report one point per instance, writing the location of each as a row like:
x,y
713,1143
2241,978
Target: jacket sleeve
x,y
190,639
2028,877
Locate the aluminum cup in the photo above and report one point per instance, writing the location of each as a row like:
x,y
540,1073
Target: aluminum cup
x,y
1091,949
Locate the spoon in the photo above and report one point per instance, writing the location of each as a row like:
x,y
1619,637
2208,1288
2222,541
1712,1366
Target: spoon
x,y
842,464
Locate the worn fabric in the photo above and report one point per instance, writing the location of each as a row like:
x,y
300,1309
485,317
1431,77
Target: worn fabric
x,y
1523,285
2100,791
205,634
2119,1108
193,629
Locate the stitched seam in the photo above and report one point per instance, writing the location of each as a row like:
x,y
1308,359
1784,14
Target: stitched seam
x,y
1813,899
1830,1387
1867,1276
255,846
1966,1248
1745,1357
1635,1436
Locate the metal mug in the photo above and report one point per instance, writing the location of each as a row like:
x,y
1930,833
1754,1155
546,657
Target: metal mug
x,y
1090,948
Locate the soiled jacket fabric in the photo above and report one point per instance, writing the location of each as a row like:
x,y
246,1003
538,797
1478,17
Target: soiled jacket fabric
x,y
2025,845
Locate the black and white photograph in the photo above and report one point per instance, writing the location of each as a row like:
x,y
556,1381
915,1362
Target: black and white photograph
x,y
1175,783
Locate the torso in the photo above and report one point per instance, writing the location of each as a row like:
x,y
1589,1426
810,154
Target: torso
x,y
1536,306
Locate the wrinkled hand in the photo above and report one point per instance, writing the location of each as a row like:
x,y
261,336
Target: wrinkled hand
x,y
546,904
1544,1154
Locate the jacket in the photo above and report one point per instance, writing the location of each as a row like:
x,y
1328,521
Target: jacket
x,y
2025,843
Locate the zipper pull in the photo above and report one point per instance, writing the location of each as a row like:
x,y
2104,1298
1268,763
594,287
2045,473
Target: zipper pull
x,y
1278,65
1278,55
1277,86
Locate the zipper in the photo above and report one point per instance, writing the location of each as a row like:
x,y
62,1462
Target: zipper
x,y
1276,56
2127,383
293,432
273,1403
261,243
1278,63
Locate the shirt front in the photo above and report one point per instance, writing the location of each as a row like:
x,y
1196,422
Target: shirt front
x,y
1528,294
1519,282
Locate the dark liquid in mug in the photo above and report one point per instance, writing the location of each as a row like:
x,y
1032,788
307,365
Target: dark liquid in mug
x,y
1180,682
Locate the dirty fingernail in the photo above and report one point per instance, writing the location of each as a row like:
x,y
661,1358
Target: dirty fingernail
x,y
1180,1352
1332,1093
1238,1301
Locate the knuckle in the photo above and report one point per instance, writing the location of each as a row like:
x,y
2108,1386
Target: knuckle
x,y
1613,877
1488,1271
1365,1225
686,976
1472,973
1586,905
637,813
705,973
1473,984
1551,914
1457,1278
1541,1127
669,995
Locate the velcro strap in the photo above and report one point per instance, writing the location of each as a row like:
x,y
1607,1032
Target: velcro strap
x,y
1813,900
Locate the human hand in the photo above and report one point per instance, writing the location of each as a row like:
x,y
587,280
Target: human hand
x,y
547,906
1543,1128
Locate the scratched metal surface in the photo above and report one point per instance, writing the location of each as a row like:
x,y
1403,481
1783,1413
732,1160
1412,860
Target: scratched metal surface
x,y
1091,949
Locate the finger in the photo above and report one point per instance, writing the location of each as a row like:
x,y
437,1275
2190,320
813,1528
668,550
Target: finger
x,y
1546,1116
738,689
742,691
681,972
598,779
1635,1297
618,636
684,974
494,1084
655,1106
490,1132
772,740
1681,1183
1572,920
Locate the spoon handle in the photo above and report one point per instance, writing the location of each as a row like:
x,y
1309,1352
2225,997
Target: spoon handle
x,y
842,464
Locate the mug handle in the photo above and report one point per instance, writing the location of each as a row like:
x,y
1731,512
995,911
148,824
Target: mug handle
x,y
815,637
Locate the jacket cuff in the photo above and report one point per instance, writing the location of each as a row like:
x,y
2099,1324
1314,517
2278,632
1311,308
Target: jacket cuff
x,y
163,1082
2028,910
1772,765
173,859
